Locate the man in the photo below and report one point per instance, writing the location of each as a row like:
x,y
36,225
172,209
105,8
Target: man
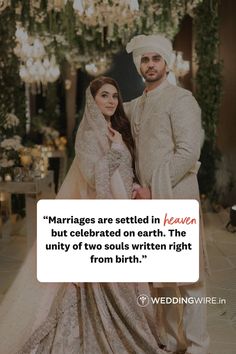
x,y
166,126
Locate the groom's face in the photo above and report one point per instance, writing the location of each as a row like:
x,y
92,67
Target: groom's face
x,y
153,67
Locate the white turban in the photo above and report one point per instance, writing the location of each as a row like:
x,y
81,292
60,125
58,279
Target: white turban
x,y
142,44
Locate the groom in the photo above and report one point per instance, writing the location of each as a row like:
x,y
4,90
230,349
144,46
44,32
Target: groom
x,y
166,126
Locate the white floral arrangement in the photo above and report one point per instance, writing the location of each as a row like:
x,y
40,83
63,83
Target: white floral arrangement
x,y
10,144
13,143
4,163
52,138
49,133
11,121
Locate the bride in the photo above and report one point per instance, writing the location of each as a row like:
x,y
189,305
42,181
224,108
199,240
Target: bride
x,y
88,318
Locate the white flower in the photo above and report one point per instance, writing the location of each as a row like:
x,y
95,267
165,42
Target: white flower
x,y
11,121
17,138
12,143
6,163
50,132
61,39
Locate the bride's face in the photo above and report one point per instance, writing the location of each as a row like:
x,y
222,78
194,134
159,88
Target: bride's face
x,y
107,99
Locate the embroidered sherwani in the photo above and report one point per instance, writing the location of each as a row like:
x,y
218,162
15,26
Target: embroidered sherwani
x,y
166,126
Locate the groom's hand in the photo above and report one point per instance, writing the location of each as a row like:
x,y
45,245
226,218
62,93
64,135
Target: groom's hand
x,y
143,193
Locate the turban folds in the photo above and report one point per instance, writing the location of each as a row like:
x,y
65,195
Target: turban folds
x,y
142,44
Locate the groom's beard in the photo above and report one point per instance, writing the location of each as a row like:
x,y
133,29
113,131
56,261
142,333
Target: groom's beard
x,y
153,75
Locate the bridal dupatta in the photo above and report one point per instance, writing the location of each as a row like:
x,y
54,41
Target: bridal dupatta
x,y
95,170
28,302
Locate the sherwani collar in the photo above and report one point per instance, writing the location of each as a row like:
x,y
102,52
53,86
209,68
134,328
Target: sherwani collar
x,y
157,90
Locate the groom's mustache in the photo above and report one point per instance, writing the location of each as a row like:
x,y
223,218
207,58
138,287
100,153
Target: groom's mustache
x,y
151,70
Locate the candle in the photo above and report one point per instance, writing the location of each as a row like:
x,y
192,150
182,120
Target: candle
x,y
7,178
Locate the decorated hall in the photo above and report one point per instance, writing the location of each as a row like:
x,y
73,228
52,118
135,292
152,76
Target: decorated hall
x,y
51,51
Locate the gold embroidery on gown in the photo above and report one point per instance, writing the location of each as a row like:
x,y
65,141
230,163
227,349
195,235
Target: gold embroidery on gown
x,y
98,318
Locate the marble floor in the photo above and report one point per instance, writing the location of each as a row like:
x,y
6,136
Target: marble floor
x,y
221,246
221,284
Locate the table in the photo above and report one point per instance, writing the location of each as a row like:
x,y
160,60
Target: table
x,y
39,188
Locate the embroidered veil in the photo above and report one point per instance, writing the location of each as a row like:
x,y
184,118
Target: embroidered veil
x,y
95,171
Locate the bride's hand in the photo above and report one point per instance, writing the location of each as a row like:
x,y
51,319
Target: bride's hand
x,y
135,189
114,135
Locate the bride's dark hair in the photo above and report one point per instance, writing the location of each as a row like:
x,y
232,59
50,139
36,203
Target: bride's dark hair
x,y
119,120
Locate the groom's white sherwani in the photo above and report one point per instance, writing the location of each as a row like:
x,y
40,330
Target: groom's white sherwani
x,y
166,126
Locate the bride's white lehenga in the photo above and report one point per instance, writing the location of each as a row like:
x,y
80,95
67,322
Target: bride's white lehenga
x,y
97,318
85,318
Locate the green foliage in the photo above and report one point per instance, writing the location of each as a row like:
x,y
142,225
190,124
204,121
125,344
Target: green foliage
x,y
208,89
11,89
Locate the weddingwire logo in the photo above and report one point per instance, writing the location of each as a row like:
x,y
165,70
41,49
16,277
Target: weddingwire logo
x,y
143,300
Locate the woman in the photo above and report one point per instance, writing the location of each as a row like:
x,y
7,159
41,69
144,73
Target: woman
x,y
92,318
102,167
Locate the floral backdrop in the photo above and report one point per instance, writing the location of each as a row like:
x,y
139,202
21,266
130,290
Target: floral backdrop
x,y
11,142
56,32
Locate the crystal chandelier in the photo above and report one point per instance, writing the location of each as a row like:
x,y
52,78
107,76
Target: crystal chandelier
x,y
178,65
103,13
100,12
36,67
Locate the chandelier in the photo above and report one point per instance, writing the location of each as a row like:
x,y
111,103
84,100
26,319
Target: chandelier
x,y
100,12
36,66
178,65
103,13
